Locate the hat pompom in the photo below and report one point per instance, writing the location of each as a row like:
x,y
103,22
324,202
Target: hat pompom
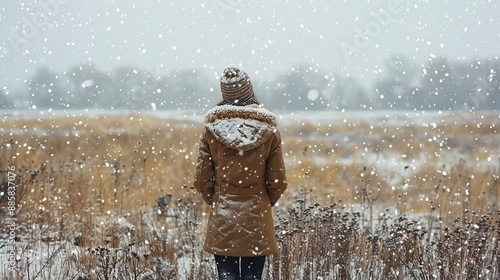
x,y
232,75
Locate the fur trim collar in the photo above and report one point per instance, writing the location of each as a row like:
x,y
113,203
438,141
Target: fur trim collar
x,y
253,112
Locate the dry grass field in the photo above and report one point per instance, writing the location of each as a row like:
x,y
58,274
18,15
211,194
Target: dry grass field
x,y
109,197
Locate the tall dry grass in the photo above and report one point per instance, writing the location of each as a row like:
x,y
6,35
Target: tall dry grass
x,y
108,198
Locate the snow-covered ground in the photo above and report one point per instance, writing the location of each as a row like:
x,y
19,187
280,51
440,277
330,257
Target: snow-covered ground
x,y
287,118
386,162
353,138
452,149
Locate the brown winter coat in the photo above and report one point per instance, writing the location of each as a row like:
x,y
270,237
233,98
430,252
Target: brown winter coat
x,y
241,175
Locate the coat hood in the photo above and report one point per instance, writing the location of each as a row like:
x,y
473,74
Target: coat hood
x,y
241,127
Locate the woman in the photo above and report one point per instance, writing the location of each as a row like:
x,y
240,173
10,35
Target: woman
x,y
241,174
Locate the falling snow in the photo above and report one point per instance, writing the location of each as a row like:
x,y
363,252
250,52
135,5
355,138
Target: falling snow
x,y
388,110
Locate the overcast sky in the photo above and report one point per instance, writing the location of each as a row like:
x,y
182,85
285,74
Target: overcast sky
x,y
265,37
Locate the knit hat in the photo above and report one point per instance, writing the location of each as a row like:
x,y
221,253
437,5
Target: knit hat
x,y
235,86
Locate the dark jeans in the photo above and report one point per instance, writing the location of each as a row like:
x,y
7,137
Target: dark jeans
x,y
229,267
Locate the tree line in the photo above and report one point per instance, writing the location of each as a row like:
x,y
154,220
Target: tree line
x,y
437,84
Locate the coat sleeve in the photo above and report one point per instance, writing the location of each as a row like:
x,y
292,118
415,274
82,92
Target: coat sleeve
x,y
276,182
204,181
